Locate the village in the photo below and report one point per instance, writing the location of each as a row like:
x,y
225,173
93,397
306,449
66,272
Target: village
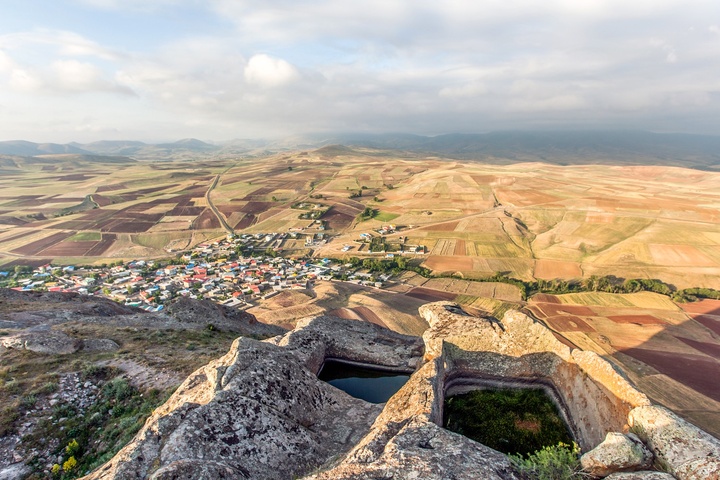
x,y
235,271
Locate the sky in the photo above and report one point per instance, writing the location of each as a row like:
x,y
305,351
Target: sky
x,y
161,70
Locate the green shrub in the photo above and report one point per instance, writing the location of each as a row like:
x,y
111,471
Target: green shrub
x,y
519,421
559,462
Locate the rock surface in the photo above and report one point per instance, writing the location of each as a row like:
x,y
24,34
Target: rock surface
x,y
617,453
260,411
42,341
644,475
202,313
686,450
16,471
518,351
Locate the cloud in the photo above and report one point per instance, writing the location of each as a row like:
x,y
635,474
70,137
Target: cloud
x,y
282,66
265,71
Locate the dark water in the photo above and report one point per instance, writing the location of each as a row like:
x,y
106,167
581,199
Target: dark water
x,y
367,384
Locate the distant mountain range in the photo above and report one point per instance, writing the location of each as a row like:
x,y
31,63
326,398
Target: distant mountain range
x,y
561,147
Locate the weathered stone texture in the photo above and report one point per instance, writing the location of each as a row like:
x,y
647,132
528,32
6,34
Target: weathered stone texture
x,y
688,452
617,453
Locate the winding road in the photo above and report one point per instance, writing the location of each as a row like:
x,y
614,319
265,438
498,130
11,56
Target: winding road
x,y
220,217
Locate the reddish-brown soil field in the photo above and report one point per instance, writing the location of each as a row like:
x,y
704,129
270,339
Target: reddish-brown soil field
x,y
180,200
545,298
442,227
142,217
552,309
12,221
710,349
430,295
127,226
695,371
27,262
76,177
74,225
140,207
711,322
188,211
148,191
703,306
245,222
97,214
39,245
369,316
205,221
441,264
637,319
550,269
460,247
337,220
102,200
344,313
256,207
69,249
568,323
259,193
101,247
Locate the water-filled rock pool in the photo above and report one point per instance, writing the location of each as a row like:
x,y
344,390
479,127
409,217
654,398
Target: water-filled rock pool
x,y
371,385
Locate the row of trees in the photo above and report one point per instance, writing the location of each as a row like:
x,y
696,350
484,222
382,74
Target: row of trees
x,y
594,283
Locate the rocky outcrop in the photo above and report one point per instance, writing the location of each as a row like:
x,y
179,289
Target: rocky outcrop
x,y
260,411
42,341
518,351
685,450
617,453
644,475
203,313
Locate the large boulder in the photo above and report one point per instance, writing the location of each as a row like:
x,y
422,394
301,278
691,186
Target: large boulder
x,y
260,411
617,453
44,341
193,313
687,451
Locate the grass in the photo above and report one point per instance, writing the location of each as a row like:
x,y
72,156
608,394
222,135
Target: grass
x,y
27,379
386,216
517,421
86,237
639,299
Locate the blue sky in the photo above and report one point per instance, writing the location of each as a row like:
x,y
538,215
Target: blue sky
x,y
85,70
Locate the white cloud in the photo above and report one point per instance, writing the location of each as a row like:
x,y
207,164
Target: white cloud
x,y
464,91
265,71
422,66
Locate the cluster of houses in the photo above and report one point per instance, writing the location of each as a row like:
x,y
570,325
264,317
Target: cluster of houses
x,y
216,271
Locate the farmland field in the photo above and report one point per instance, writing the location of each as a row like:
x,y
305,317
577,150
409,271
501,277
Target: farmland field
x,y
659,345
529,221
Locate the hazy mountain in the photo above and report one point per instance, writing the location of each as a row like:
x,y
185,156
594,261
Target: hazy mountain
x,y
556,147
30,149
561,147
189,144
113,147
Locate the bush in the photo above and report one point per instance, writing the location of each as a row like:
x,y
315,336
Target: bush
x,y
559,462
69,464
